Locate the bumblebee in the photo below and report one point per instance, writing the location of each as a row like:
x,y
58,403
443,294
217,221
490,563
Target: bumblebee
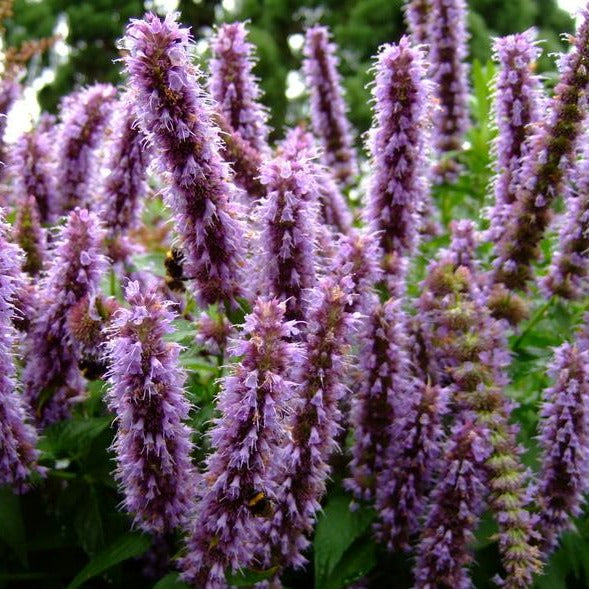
x,y
174,264
260,505
92,369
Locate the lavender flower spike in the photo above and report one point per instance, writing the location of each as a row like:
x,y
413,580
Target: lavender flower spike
x,y
84,118
385,386
398,143
564,439
457,503
543,170
417,16
234,87
569,270
247,440
34,172
18,438
52,379
315,424
124,188
409,463
152,443
328,110
287,218
449,70
176,116
30,235
517,108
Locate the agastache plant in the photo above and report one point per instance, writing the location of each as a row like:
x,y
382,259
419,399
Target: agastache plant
x,y
287,219
467,352
153,442
303,465
398,144
84,115
30,236
517,109
410,462
328,109
543,170
51,377
18,438
177,117
417,16
247,440
123,190
567,275
445,547
34,173
234,87
564,439
384,387
334,210
448,50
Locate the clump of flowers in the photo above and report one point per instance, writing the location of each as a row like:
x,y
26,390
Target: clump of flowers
x,y
247,439
328,110
152,444
31,236
177,117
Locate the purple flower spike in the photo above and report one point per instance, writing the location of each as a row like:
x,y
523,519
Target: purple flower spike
x,y
463,244
152,443
543,170
124,188
30,235
385,386
52,379
287,218
457,502
398,144
418,15
334,210
564,439
567,276
34,172
328,109
303,466
517,106
234,87
18,438
84,119
177,117
448,51
409,465
247,440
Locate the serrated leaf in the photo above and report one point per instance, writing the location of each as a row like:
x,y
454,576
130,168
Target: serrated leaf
x,y
72,437
337,529
123,548
12,527
88,523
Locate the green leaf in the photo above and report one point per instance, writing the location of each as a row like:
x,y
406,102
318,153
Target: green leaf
x,y
123,548
337,529
171,581
73,437
88,523
12,527
357,561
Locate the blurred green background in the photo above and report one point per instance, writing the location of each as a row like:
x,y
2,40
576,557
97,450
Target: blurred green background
x,y
359,27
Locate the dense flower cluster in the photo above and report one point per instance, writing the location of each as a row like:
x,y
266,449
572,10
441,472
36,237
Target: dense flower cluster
x,y
152,444
52,378
417,15
30,235
248,435
84,118
177,118
328,110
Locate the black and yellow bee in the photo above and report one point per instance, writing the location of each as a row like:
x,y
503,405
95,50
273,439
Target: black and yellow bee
x,y
260,505
174,264
92,368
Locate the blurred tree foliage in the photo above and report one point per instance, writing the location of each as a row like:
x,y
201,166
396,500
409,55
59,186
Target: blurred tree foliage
x,y
359,27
